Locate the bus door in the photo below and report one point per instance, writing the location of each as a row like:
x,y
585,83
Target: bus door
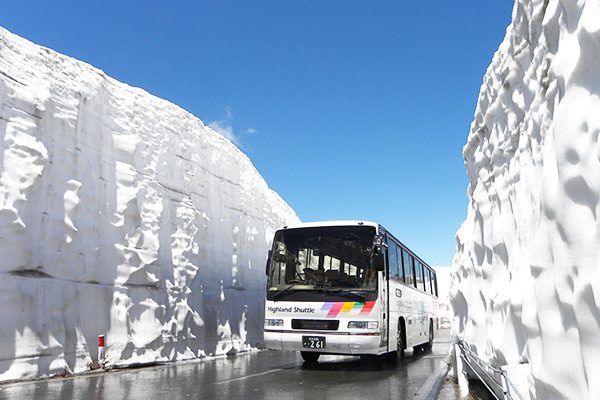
x,y
382,296
384,317
394,293
386,322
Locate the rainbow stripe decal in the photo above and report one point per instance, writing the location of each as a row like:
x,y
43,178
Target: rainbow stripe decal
x,y
335,308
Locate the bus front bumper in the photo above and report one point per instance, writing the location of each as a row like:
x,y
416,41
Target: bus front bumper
x,y
338,343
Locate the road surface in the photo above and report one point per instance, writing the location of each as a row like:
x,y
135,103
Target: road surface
x,y
256,376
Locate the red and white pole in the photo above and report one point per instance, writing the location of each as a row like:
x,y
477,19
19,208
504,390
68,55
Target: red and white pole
x,y
101,353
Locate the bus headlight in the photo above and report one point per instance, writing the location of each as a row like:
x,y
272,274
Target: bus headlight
x,y
273,322
363,325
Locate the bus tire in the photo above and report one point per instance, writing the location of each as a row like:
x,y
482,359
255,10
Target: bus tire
x,y
396,356
309,356
401,337
429,345
400,344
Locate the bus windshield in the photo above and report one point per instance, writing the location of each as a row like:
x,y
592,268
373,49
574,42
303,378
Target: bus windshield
x,y
336,258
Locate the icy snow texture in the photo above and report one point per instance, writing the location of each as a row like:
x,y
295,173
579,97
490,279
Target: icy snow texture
x,y
527,284
120,214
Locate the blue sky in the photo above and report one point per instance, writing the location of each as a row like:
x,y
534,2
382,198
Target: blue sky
x,y
349,109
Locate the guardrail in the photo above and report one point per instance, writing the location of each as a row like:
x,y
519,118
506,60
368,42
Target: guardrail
x,y
495,379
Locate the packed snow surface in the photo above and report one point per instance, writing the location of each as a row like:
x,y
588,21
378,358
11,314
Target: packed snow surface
x,y
526,288
120,214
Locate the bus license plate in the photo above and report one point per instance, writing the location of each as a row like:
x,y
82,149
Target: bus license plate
x,y
313,342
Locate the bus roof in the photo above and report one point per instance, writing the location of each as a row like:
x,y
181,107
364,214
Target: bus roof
x,y
331,223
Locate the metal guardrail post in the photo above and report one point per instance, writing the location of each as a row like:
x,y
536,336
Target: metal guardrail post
x,y
508,382
472,360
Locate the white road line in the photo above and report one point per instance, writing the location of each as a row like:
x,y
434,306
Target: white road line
x,y
241,378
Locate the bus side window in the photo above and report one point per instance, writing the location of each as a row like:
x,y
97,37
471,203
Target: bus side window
x,y
427,279
419,273
401,268
393,259
408,269
413,266
433,283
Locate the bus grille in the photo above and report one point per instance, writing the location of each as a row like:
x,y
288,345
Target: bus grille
x,y
316,324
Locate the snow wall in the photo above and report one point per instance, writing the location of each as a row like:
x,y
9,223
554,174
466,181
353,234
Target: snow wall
x,y
120,214
526,286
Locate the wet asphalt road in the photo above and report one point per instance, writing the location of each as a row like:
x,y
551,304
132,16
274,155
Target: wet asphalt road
x,y
256,376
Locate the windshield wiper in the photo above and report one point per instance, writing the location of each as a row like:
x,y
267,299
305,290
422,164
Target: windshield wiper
x,y
355,296
284,291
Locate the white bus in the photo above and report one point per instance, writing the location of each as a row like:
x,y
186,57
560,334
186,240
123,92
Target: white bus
x,y
347,287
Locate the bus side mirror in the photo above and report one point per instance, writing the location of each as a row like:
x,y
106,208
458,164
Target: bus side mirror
x,y
378,245
377,261
377,252
378,242
268,263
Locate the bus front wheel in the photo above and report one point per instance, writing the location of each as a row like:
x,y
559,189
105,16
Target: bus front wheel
x,y
309,356
396,356
400,353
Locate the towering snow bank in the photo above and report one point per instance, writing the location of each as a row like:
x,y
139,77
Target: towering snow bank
x,y
120,214
527,284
